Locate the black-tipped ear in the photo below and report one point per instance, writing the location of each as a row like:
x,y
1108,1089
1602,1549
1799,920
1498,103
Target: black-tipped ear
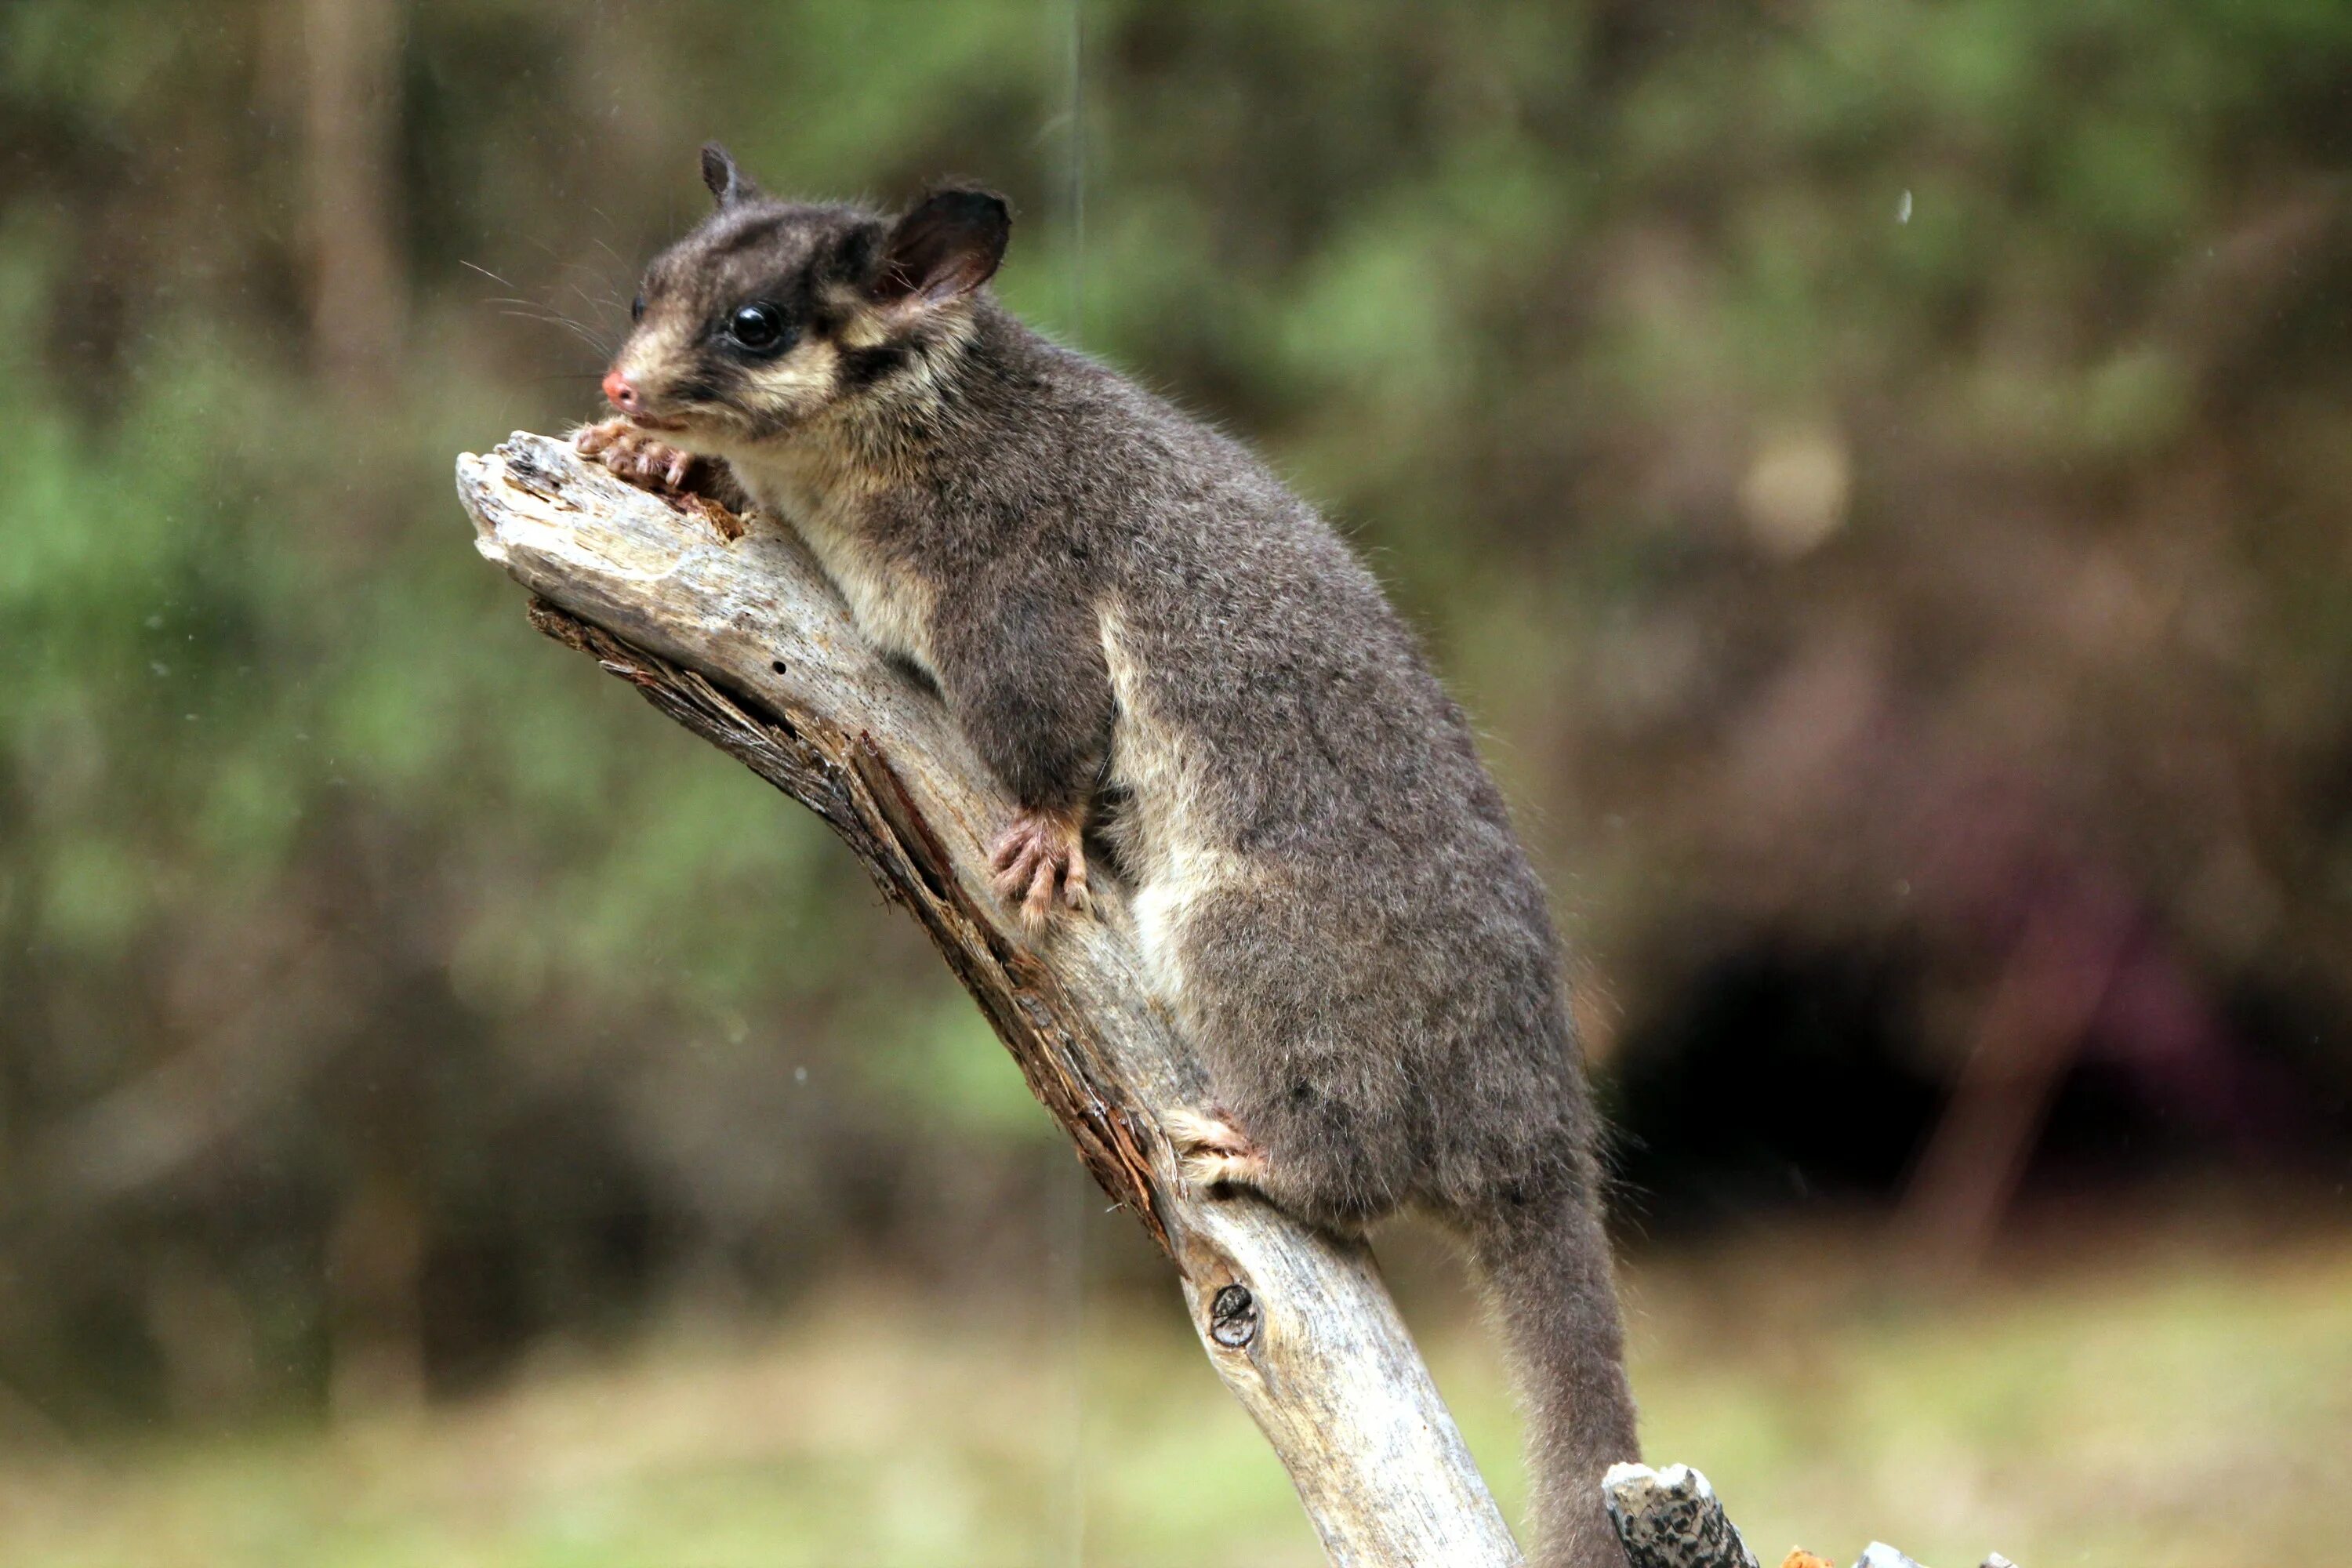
x,y
726,182
947,245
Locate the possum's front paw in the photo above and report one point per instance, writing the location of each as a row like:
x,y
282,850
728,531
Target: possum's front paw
x,y
636,456
1212,1152
1040,853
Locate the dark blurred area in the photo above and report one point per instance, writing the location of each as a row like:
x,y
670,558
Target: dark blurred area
x,y
1877,474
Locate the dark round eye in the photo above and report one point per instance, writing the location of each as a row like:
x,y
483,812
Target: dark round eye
x,y
759,328
637,309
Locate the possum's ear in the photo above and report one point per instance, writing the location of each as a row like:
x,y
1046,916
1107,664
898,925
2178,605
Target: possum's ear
x,y
726,182
947,245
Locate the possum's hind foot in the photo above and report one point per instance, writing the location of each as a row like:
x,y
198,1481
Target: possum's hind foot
x,y
638,456
1041,853
1212,1152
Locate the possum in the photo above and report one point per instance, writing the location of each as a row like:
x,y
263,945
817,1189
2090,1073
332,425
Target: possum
x,y
1194,689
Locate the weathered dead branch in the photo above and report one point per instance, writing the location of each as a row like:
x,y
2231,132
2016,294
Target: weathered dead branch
x,y
1672,1519
727,625
743,642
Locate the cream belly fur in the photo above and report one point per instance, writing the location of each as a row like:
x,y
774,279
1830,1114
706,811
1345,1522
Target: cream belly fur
x,y
892,607
1175,857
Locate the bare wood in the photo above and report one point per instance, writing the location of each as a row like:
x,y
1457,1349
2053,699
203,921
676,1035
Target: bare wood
x,y
1672,1519
742,641
1878,1554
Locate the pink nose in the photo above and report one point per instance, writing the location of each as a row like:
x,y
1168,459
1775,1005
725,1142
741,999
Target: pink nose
x,y
619,391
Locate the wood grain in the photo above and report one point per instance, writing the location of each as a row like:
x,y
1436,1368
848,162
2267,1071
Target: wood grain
x,y
743,641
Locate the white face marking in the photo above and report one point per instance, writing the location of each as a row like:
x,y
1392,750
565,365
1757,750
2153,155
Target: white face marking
x,y
659,341
800,381
862,326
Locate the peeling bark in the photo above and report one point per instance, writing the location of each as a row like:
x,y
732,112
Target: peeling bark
x,y
729,627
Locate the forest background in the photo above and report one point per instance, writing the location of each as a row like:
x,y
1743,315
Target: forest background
x,y
1876,474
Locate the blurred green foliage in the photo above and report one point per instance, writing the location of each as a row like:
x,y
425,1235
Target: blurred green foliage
x,y
1793,426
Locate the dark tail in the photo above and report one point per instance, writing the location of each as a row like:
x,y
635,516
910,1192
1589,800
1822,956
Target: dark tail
x,y
1548,1266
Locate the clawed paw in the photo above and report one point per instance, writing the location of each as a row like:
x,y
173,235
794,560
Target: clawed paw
x,y
638,456
1212,1152
1038,858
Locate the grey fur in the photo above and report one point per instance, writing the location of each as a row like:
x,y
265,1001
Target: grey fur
x,y
1325,877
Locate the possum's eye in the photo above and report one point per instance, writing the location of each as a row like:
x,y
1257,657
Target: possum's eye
x,y
757,328
637,309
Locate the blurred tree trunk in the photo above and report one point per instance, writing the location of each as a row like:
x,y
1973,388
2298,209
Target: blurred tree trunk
x,y
2030,1032
376,1264
204,1336
351,116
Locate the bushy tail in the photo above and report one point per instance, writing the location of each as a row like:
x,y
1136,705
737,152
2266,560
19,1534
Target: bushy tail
x,y
1548,1266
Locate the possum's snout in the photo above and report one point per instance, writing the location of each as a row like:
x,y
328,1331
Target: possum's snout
x,y
623,394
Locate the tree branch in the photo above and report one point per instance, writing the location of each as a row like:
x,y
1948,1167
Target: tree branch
x,y
1672,1519
737,635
